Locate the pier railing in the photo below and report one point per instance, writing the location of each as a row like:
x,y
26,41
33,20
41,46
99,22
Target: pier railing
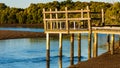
x,y
67,20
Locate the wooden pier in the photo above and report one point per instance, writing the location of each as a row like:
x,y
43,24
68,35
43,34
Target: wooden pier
x,y
61,22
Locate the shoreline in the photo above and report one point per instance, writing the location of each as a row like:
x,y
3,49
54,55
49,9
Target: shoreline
x,y
9,34
105,60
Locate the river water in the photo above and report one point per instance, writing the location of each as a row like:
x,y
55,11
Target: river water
x,y
31,52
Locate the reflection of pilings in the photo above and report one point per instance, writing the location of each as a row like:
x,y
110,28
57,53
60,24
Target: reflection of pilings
x,y
108,42
48,50
60,50
47,64
112,44
95,46
60,62
72,50
79,47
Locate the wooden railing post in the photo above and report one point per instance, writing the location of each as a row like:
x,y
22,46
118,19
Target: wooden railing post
x,y
51,26
56,18
66,15
89,34
44,19
103,17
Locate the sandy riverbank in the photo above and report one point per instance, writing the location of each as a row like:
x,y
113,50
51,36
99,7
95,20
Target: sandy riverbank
x,y
105,60
7,34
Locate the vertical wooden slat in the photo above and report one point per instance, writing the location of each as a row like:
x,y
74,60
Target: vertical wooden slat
x,y
79,47
50,19
60,25
103,17
74,25
56,18
82,13
72,50
66,15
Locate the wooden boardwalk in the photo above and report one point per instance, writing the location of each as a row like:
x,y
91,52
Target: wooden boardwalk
x,y
65,22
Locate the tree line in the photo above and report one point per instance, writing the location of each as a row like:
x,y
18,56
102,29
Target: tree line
x,y
33,14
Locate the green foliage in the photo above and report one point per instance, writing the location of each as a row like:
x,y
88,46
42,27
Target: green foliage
x,y
33,14
113,14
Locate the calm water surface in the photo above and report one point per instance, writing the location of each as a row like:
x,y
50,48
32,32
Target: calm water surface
x,y
31,52
23,29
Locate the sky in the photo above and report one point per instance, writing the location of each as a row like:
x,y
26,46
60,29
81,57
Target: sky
x,y
26,3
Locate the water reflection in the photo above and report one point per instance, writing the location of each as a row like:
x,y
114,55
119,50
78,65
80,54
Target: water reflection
x,y
60,61
31,53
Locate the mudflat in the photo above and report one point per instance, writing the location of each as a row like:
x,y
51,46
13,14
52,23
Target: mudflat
x,y
105,60
6,34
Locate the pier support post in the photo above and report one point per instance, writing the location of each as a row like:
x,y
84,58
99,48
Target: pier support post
x,y
95,46
112,44
108,43
60,50
60,44
89,45
72,49
79,47
60,62
89,35
48,50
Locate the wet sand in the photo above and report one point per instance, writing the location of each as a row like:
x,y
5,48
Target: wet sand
x,y
105,60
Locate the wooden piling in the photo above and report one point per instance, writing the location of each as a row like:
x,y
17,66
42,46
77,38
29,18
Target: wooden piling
x,y
66,16
60,62
60,50
95,46
48,50
60,44
89,35
108,42
112,44
79,47
72,49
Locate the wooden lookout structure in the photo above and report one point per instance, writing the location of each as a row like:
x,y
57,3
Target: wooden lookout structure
x,y
66,22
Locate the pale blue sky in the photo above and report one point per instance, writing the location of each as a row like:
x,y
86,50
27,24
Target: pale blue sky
x,y
26,3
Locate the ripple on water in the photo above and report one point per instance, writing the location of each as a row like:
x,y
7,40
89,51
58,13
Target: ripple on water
x,y
6,60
